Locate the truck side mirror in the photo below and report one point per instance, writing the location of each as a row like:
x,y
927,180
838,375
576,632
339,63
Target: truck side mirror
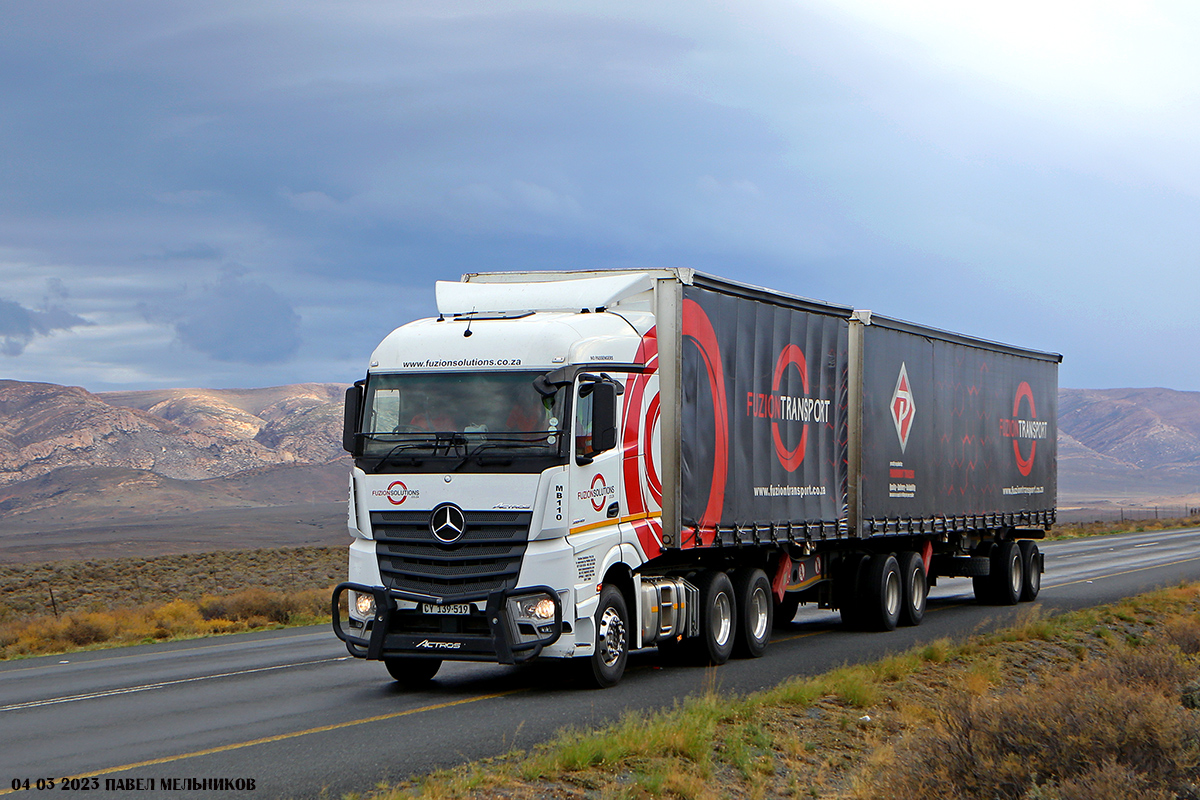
x,y
604,416
354,401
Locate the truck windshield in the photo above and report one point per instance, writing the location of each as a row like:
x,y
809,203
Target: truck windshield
x,y
460,414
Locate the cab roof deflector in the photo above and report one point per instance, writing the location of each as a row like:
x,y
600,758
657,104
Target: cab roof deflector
x,y
570,295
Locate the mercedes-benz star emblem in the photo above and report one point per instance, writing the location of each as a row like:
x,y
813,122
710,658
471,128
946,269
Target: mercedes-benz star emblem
x,y
448,523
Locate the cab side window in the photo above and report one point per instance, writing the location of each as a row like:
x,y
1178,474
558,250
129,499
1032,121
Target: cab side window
x,y
584,417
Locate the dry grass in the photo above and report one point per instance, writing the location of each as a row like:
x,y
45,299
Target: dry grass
x,y
249,609
63,606
1050,709
1075,530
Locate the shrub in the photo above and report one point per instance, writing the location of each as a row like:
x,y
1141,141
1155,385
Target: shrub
x,y
88,629
248,605
1101,730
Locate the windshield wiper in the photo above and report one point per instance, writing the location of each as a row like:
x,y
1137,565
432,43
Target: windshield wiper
x,y
400,448
513,442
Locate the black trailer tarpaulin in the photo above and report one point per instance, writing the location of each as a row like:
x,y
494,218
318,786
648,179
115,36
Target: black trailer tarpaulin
x,y
763,417
951,428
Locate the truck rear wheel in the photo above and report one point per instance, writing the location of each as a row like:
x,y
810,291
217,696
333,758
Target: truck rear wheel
x,y
607,663
412,673
848,587
882,596
718,618
1007,574
755,612
785,611
915,588
1031,569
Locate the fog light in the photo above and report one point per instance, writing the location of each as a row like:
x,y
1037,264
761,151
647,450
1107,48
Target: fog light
x,y
364,604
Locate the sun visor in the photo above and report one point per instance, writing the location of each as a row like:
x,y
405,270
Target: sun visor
x,y
565,295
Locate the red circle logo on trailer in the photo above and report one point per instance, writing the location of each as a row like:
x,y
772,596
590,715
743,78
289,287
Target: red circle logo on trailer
x,y
789,356
1024,465
1030,428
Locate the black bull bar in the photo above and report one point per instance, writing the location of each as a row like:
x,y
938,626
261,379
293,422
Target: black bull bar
x,y
502,644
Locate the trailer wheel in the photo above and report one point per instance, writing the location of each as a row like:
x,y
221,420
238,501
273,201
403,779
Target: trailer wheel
x,y
785,611
984,584
883,597
847,589
718,618
915,588
412,673
755,612
607,664
1031,569
1007,574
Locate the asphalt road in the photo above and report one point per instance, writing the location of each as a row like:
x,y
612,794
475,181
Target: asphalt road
x,y
289,713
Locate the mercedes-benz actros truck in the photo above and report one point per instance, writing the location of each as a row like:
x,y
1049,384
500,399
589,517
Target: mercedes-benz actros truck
x,y
576,465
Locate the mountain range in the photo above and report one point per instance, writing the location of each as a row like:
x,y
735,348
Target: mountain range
x,y
83,467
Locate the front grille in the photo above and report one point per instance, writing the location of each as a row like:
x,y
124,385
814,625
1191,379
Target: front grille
x,y
486,559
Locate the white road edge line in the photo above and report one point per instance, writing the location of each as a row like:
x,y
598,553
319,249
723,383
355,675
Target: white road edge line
x,y
151,686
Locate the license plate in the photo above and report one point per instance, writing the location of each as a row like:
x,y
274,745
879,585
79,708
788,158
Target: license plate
x,y
455,608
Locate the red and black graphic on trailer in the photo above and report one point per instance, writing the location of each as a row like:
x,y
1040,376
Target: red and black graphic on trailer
x,y
761,423
981,439
640,419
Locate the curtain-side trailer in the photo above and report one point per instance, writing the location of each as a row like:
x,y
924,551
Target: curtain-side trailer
x,y
578,464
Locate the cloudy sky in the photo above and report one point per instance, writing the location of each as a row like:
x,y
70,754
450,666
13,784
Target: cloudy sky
x,y
246,194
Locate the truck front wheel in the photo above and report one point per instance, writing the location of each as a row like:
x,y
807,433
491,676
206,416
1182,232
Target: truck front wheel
x,y
607,663
755,611
718,619
412,673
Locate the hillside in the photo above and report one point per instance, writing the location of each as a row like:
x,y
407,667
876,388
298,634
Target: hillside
x,y
77,466
105,470
1128,444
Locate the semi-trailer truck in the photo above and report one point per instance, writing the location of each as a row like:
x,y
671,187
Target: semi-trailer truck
x,y
580,464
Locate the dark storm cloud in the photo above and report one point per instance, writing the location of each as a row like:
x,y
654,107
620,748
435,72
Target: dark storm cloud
x,y
349,154
234,320
19,325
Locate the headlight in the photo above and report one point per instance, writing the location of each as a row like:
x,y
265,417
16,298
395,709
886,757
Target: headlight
x,y
364,605
539,607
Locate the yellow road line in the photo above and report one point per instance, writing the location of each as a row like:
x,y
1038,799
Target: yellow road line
x,y
280,737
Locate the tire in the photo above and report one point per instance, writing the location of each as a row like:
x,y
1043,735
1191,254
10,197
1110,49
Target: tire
x,y
412,673
785,612
1007,574
1031,570
847,589
983,584
755,612
914,585
882,595
718,619
607,663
